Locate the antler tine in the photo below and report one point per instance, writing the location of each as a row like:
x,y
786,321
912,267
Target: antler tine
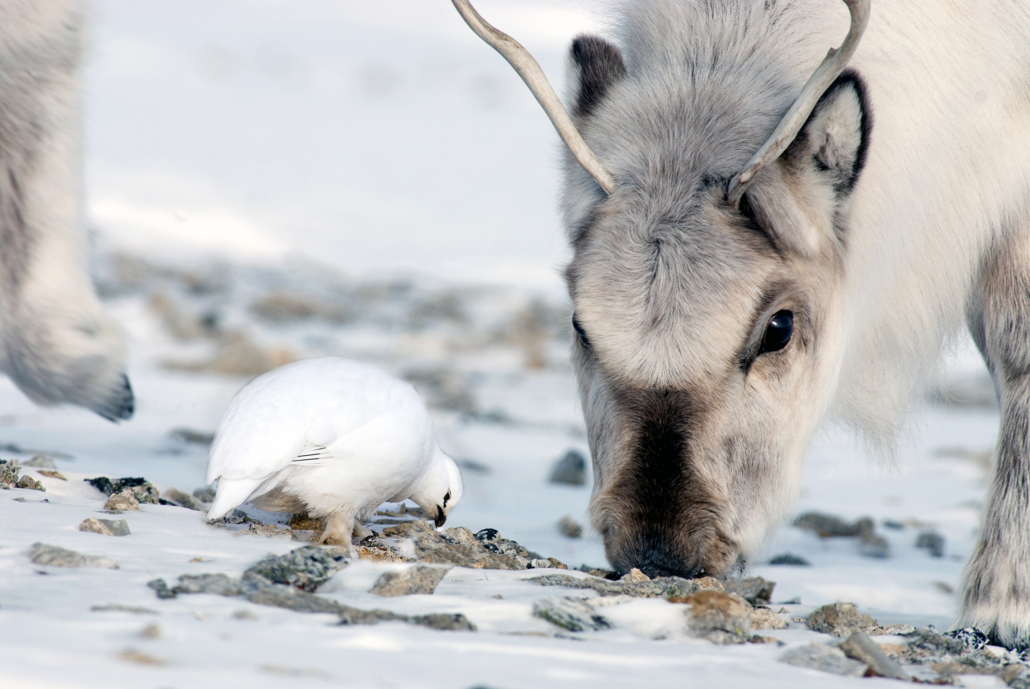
x,y
790,125
527,68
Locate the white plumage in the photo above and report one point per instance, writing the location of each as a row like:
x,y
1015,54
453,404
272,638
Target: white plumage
x,y
332,437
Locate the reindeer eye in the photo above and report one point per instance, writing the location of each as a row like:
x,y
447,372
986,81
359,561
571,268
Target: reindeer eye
x,y
778,332
583,339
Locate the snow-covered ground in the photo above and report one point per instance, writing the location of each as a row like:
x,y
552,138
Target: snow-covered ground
x,y
278,180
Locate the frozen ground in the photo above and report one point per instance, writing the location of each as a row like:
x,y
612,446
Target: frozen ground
x,y
272,180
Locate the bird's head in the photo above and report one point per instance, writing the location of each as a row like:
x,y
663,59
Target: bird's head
x,y
440,489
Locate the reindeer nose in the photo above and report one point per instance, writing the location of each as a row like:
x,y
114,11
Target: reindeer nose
x,y
658,563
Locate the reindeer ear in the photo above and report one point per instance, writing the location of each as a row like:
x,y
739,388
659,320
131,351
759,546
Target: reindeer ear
x,y
835,138
595,64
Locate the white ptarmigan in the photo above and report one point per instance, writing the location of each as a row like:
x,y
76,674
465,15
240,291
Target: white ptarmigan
x,y
335,438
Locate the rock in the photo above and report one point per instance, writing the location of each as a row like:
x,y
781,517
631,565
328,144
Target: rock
x,y
570,469
294,599
860,647
305,568
151,631
719,611
29,483
266,531
115,607
106,527
177,497
932,541
755,590
817,656
122,502
41,462
765,618
217,584
872,545
450,622
9,473
205,494
568,527
790,559
840,619
674,589
972,638
192,437
141,489
54,556
571,614
634,576
52,474
829,526
459,546
420,579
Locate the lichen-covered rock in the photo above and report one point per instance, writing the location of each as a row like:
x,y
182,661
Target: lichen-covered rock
x,y
764,618
140,488
122,502
217,584
840,619
305,568
571,614
106,527
459,546
10,473
817,656
29,483
727,614
755,590
789,559
420,579
860,647
54,556
674,589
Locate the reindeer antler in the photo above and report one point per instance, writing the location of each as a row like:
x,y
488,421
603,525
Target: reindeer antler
x,y
528,68
790,125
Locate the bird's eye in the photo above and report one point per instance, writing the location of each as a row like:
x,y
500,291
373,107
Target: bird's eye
x,y
580,333
778,332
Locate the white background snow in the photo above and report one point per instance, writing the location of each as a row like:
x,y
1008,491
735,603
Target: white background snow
x,y
264,142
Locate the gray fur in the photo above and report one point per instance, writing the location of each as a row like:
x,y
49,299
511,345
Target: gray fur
x,y
56,343
880,239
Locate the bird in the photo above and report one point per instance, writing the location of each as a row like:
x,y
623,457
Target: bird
x,y
334,438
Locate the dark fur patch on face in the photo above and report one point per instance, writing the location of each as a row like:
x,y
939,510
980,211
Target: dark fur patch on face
x,y
600,65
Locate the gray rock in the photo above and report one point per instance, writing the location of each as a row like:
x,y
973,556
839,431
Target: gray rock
x,y
181,499
860,647
141,489
817,656
829,526
670,588
724,618
872,545
122,502
205,494
971,637
190,436
419,579
29,483
305,568
755,590
459,546
218,584
572,614
10,472
840,619
451,622
570,469
54,556
106,527
41,462
568,527
1022,681
790,559
932,541
116,607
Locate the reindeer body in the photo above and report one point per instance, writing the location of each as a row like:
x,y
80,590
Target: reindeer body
x,y
900,211
56,343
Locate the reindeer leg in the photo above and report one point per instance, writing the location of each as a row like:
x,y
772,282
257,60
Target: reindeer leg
x,y
996,583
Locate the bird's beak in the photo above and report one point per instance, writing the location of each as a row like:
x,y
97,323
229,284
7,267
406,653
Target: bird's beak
x,y
440,517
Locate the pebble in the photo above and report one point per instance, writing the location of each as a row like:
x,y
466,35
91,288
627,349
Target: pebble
x,y
420,579
52,474
571,614
790,559
755,590
829,526
54,556
860,647
181,499
29,483
765,618
570,470
817,656
840,619
106,527
122,502
932,541
141,489
568,527
720,617
634,576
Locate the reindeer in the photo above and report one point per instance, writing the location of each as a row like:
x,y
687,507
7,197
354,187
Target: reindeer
x,y
730,294
56,342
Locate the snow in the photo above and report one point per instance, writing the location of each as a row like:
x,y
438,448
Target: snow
x,y
346,151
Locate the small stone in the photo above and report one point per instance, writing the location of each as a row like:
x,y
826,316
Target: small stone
x,y
571,614
570,469
41,462
122,502
115,607
860,647
817,656
568,527
932,541
764,618
54,556
829,526
131,655
181,499
151,631
790,559
205,494
52,474
718,611
872,545
141,489
244,615
840,619
755,590
217,584
420,579
305,568
634,576
29,483
106,527
450,622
